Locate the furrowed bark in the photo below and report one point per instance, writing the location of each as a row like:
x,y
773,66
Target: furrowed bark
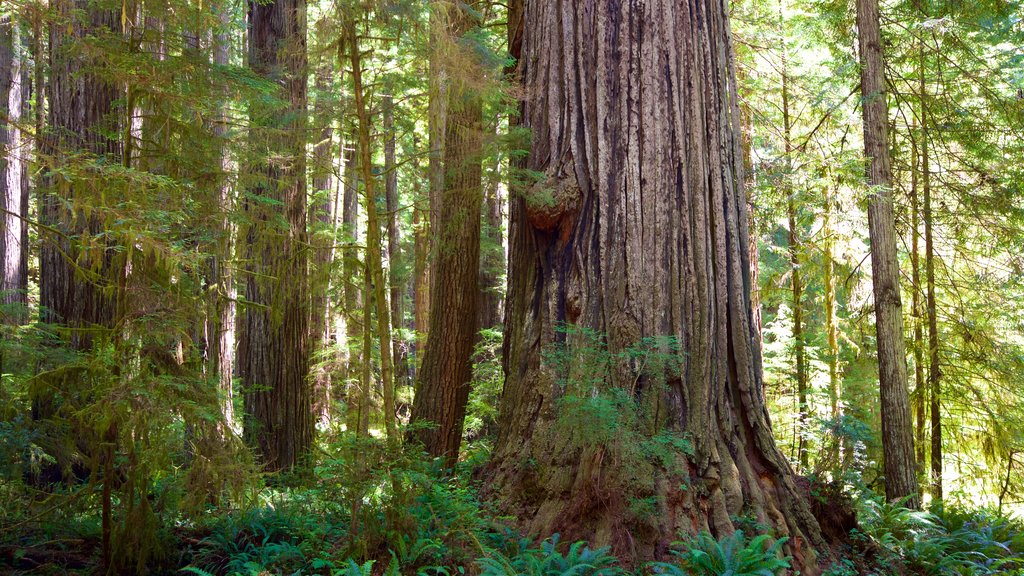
x,y
442,389
274,348
897,425
639,230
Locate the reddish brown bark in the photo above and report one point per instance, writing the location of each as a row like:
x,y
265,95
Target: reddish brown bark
x,y
639,230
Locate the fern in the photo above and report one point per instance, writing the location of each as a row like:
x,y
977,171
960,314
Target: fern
x,y
702,555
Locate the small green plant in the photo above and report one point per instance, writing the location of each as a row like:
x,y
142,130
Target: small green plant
x,y
733,555
579,560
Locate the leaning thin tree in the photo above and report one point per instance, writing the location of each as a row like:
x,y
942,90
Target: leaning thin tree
x,y
637,232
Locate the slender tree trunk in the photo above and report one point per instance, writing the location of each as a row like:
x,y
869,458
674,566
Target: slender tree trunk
x,y
220,316
795,271
920,384
374,265
14,91
352,289
934,368
442,389
323,234
897,425
437,114
396,280
492,252
421,268
831,319
637,231
274,348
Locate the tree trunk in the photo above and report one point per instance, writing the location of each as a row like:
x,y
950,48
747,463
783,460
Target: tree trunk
x,y
934,369
80,116
437,114
323,233
220,320
492,252
920,385
274,348
897,426
14,91
795,272
374,262
831,319
421,269
396,280
350,334
637,234
442,389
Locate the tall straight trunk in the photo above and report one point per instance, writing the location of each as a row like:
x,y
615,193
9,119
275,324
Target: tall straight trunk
x,y
920,384
396,280
897,425
322,228
831,320
421,267
492,252
934,368
374,261
81,276
80,117
221,311
442,388
437,113
638,231
795,272
274,347
14,92
350,334
747,141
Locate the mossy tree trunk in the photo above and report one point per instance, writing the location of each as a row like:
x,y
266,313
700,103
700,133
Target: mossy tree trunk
x,y
639,231
274,347
442,388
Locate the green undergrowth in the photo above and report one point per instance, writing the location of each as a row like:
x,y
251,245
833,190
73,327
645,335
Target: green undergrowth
x,y
369,509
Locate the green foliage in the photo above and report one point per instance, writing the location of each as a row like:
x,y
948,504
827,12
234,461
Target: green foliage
x,y
547,560
733,555
979,542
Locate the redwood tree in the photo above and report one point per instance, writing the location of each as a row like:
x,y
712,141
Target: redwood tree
x,y
273,352
14,90
442,388
637,232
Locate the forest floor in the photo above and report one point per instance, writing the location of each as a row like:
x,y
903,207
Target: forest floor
x,y
412,520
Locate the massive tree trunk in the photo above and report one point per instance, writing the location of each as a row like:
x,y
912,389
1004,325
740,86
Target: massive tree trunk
x,y
14,91
75,283
897,426
274,348
442,389
637,235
